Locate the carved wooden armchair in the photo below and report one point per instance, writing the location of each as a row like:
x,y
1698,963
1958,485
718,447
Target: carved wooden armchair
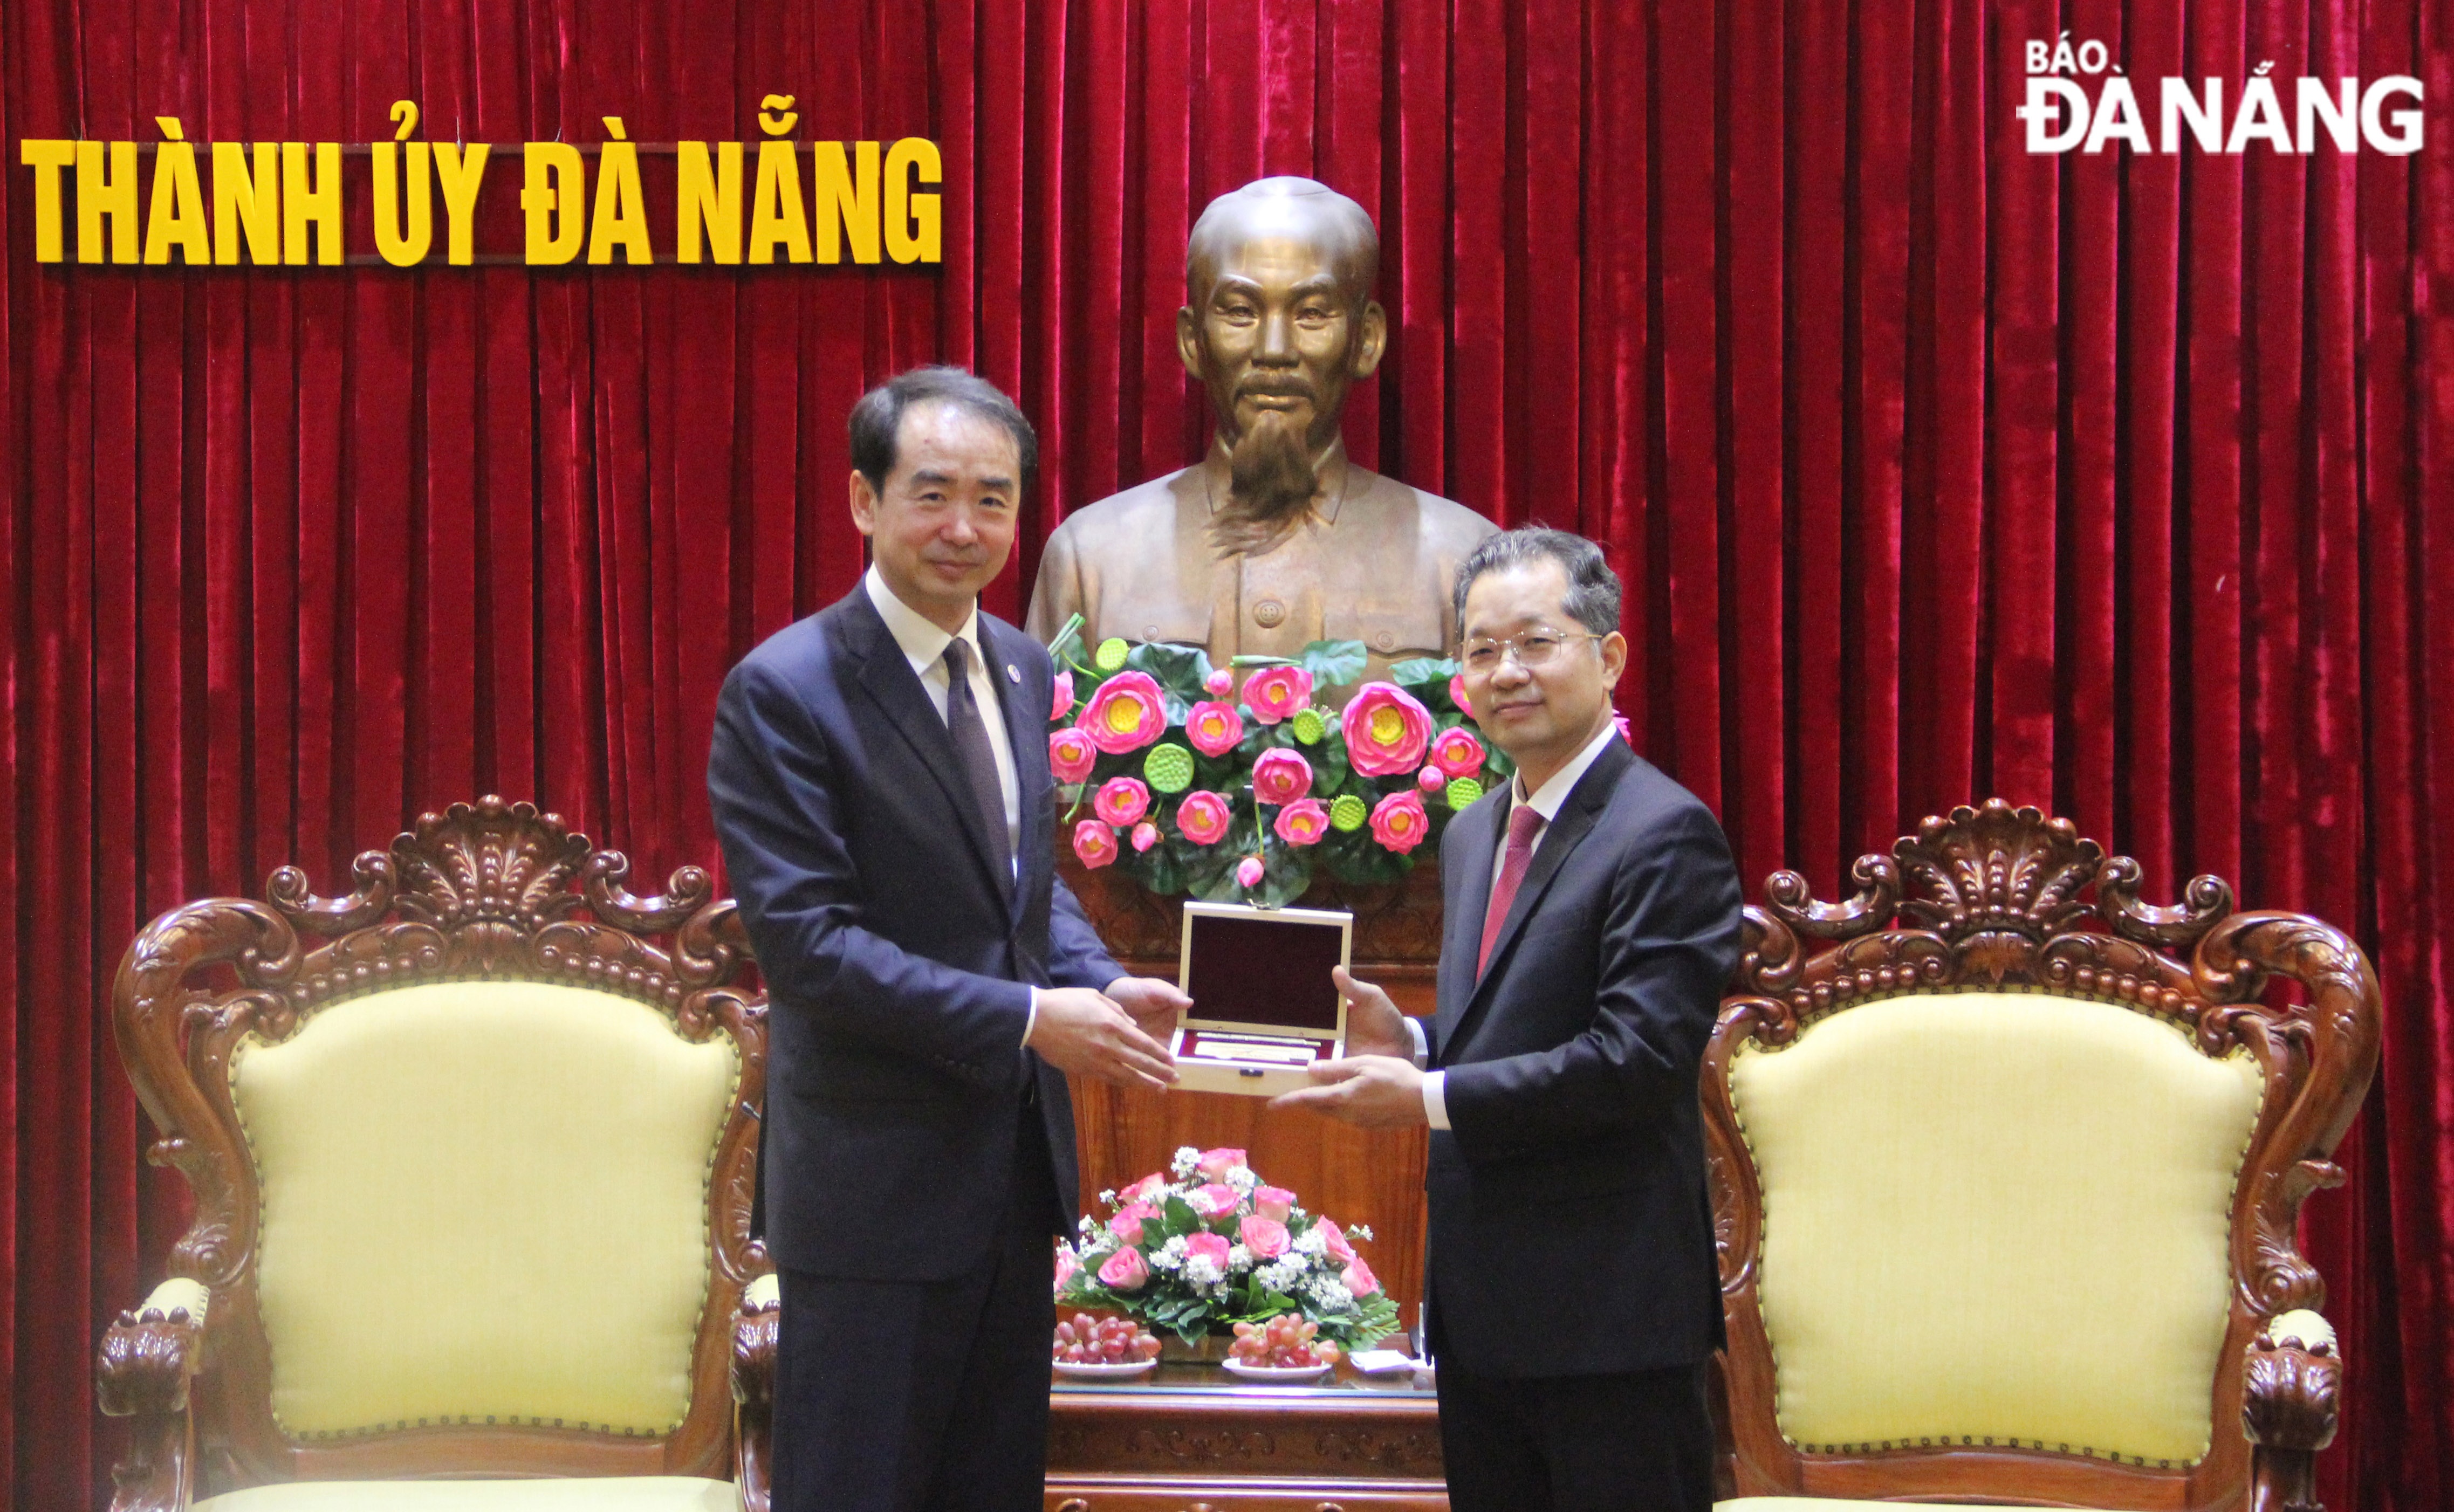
x,y
472,1157
2005,1168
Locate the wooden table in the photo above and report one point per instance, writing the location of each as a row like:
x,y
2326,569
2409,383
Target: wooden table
x,y
1190,1438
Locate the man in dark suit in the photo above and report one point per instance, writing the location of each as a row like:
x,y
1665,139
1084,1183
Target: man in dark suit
x,y
882,789
1591,917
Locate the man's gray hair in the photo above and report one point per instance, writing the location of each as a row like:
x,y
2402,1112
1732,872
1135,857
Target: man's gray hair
x,y
1592,588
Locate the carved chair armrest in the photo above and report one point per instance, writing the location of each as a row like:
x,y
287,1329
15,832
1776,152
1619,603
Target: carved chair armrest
x,y
148,1356
754,1323
2291,1375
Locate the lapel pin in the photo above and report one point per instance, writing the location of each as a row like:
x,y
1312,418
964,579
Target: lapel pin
x,y
1012,672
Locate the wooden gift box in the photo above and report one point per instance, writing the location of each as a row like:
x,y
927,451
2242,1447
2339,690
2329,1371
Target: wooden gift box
x,y
1264,1008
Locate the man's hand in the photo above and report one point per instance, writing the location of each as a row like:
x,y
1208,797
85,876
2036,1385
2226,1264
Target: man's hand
x,y
1151,1003
1374,1025
1371,1091
1085,1033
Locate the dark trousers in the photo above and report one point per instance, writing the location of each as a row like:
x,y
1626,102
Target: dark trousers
x,y
1640,1442
906,1395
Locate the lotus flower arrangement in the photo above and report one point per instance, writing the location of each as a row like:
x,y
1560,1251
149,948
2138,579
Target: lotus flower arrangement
x,y
1235,784
1216,1246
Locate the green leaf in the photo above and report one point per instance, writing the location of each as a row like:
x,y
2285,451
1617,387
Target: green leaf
x,y
1333,663
1421,672
1178,670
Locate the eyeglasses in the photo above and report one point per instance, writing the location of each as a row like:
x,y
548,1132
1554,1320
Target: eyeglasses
x,y
1532,650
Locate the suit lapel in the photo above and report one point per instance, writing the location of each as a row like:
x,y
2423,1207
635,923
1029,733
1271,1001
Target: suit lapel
x,y
1560,841
887,676
1478,831
1023,724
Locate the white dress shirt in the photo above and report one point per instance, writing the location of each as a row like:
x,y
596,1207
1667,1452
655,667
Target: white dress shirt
x,y
924,645
1546,803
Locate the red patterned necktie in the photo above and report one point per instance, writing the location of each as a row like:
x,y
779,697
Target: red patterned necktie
x,y
1524,823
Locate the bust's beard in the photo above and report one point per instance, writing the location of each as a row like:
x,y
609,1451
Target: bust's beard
x,y
1271,485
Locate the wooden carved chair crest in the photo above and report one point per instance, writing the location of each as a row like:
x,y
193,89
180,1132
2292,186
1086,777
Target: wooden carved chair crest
x,y
2006,1166
471,1150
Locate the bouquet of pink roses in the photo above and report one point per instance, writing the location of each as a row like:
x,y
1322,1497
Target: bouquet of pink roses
x,y
1217,1246
1195,784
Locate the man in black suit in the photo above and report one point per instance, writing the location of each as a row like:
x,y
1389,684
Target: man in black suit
x,y
882,789
1591,917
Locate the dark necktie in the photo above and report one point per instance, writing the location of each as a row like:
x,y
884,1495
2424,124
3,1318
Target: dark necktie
x,y
1524,823
971,749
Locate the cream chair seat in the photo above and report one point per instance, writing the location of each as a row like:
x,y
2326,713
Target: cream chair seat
x,y
2006,1181
473,1179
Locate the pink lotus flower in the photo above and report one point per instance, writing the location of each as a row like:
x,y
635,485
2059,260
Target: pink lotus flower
x,y
1062,703
1248,871
1145,836
1213,1200
1070,755
1127,1225
1618,721
1121,801
1400,822
1274,1202
1302,823
1202,817
1212,1247
1095,843
1431,779
1145,1190
1359,1280
1333,1240
1275,693
1265,1237
1457,694
1217,1162
1125,1271
1386,729
1066,1266
1457,753
1213,728
1219,683
1280,776
1125,714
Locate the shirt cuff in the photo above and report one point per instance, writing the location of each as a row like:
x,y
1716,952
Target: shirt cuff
x,y
1031,1021
1435,1106
1422,1045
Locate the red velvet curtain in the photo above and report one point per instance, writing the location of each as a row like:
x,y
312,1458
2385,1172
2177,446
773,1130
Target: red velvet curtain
x,y
2115,484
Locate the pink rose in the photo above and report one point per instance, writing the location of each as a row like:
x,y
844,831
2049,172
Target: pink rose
x,y
1125,1271
1333,1240
1275,693
1070,755
1144,1190
1457,753
1457,694
1121,801
1248,871
1216,1164
1125,714
1219,683
1265,1237
1062,703
1095,843
1359,1280
1274,1202
1127,1225
1202,817
1213,728
1212,1247
1431,779
1302,823
1386,730
1400,822
1145,836
1066,1266
1618,721
1280,776
1213,1200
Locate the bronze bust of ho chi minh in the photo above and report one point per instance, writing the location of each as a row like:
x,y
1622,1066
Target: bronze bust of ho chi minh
x,y
1275,539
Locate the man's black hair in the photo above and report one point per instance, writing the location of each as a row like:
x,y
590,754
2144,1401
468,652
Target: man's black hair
x,y
878,416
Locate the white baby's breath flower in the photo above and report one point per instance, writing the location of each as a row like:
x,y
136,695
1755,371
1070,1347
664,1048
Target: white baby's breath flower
x,y
1186,1158
1202,1273
1281,1275
1239,1259
1329,1292
1086,1227
1361,1231
1241,1179
1109,1197
1309,1243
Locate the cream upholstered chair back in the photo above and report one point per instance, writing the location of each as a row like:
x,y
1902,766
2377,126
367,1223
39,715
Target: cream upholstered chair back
x,y
472,1168
2007,1177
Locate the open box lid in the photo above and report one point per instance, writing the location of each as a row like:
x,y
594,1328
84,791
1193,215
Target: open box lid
x,y
1265,971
